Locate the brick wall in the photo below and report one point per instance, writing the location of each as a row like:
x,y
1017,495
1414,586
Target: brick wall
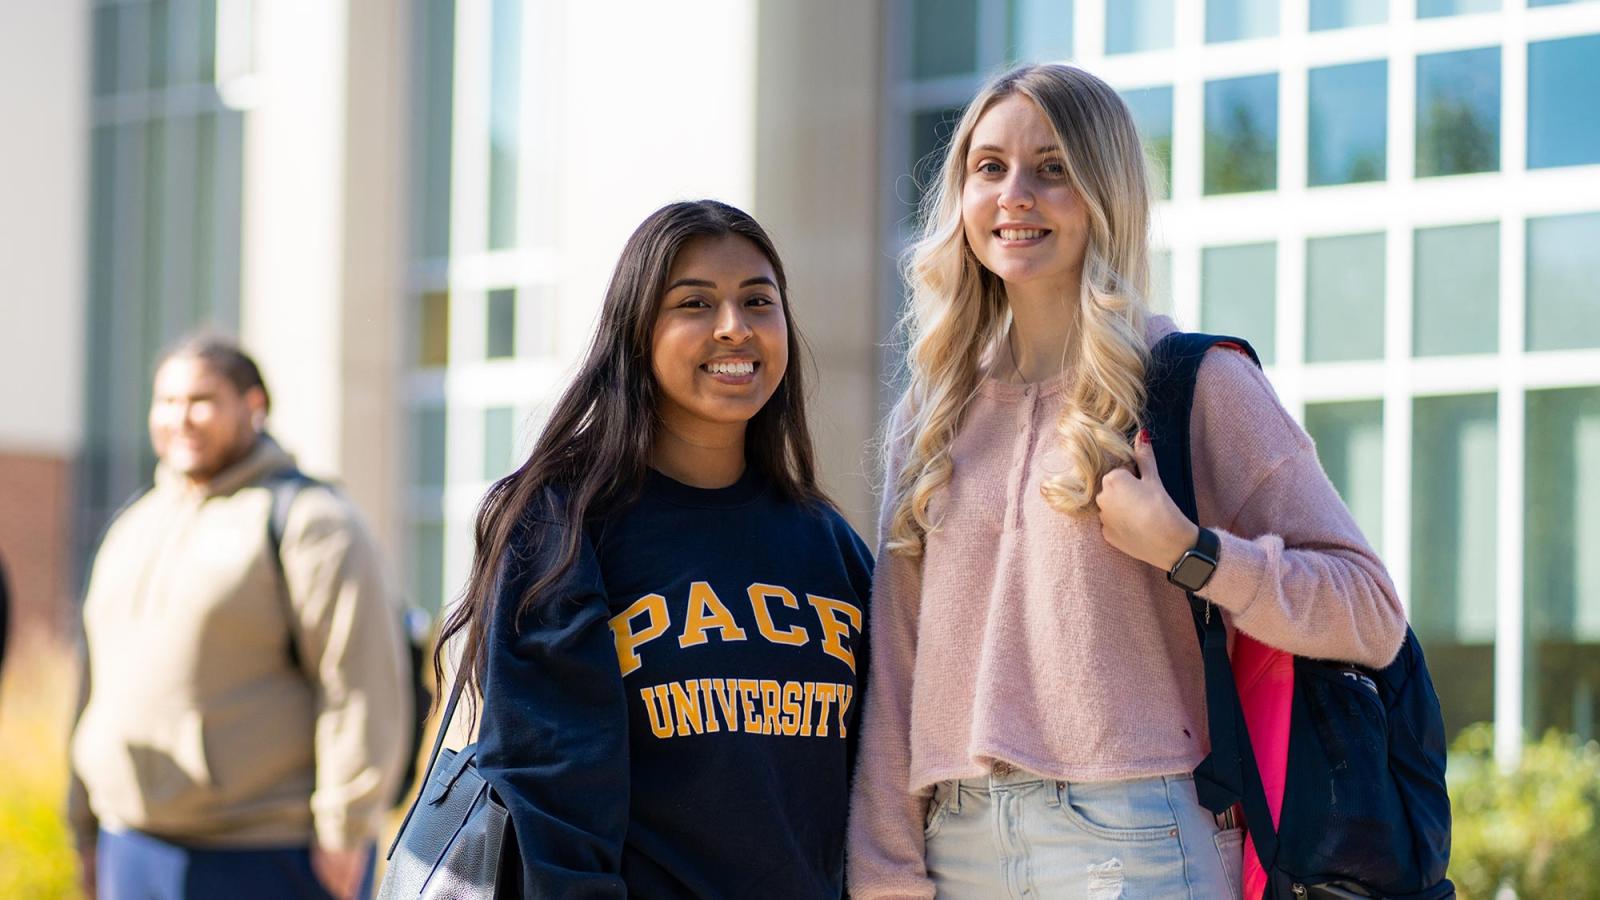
x,y
35,540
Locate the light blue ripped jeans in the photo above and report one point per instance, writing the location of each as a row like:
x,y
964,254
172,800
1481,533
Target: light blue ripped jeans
x,y
1013,834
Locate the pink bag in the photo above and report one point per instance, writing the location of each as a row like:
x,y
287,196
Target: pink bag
x,y
1266,693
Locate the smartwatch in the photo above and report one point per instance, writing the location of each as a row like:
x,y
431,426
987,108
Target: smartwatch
x,y
1194,568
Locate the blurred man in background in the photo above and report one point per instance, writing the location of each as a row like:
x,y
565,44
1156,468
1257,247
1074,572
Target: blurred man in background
x,y
246,710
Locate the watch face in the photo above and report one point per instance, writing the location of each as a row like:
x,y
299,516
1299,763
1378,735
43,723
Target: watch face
x,y
1193,569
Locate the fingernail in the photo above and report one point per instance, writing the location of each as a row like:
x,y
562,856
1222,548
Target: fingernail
x,y
1144,435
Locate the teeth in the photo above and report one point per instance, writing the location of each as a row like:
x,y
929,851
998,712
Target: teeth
x,y
1021,234
731,368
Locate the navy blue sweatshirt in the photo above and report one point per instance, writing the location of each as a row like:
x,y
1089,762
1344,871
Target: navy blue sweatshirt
x,y
677,717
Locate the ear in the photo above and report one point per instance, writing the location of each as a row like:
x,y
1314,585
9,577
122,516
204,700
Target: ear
x,y
256,400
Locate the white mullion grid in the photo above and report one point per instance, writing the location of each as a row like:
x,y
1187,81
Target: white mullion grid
x,y
1295,231
1512,405
1088,32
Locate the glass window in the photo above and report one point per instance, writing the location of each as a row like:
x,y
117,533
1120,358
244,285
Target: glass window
x,y
1561,573
1564,282
434,123
433,347
427,565
428,446
930,132
1349,116
1136,25
1326,14
1152,114
499,441
505,122
1238,294
1349,438
1458,112
1040,30
1563,117
105,49
1429,9
1161,282
1233,20
1344,298
159,59
944,37
1454,516
1242,134
501,324
206,58
1456,272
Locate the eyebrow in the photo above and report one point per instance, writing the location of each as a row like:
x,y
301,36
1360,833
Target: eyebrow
x,y
702,283
990,148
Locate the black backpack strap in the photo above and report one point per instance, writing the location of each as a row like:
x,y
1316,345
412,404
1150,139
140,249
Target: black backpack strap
x,y
1229,774
284,487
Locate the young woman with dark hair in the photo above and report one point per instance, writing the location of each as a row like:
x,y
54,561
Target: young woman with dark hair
x,y
665,614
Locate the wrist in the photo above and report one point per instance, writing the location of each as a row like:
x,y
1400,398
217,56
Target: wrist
x,y
1183,539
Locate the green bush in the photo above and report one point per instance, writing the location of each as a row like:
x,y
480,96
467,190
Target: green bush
x,y
1535,828
36,856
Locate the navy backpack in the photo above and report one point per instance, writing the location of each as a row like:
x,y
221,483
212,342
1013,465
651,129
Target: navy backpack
x,y
1365,812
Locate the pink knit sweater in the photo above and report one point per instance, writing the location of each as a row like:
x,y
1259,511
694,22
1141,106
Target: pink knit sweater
x,y
1022,636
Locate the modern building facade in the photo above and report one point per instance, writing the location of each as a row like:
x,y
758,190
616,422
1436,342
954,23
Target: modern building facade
x,y
1398,204
409,210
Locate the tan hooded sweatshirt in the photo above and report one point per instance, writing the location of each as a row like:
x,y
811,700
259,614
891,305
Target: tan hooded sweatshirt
x,y
197,726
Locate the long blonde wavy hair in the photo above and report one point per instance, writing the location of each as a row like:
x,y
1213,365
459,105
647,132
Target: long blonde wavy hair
x,y
958,314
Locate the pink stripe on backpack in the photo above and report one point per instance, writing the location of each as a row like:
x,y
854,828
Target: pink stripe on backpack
x,y
1266,692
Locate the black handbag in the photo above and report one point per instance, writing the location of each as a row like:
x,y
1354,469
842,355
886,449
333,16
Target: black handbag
x,y
1365,812
451,844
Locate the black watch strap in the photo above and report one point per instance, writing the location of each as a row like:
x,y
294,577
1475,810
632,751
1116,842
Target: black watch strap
x,y
1195,567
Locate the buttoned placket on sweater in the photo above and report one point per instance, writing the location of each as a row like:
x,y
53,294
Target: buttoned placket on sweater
x,y
1021,636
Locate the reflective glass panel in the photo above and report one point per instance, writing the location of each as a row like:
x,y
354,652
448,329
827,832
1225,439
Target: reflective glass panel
x,y
930,132
1344,298
434,121
501,324
427,565
1349,123
1152,113
1561,571
944,37
1456,290
1040,30
1136,25
1564,282
505,122
1241,147
1161,282
1564,102
1349,437
1458,112
499,441
1326,14
433,347
1238,294
1429,9
1233,20
1454,517
428,446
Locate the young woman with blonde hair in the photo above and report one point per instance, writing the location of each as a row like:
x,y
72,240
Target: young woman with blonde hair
x,y
1037,702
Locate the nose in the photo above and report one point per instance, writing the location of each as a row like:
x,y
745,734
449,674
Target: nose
x,y
731,326
1016,192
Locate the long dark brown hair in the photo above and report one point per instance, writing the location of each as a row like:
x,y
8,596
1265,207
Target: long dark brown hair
x,y
596,446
